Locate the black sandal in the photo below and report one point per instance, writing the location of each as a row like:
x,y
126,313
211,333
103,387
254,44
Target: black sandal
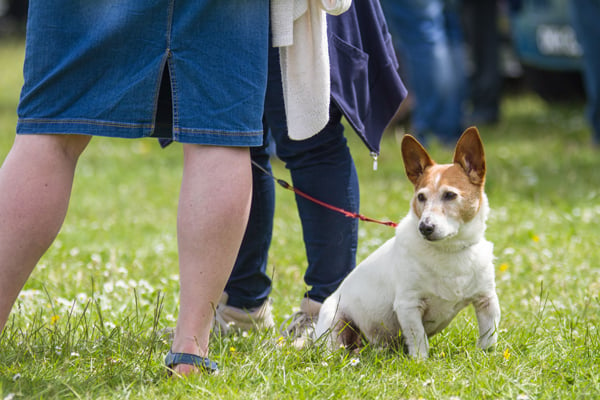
x,y
202,363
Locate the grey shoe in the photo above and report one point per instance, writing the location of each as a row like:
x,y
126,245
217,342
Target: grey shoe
x,y
229,319
300,327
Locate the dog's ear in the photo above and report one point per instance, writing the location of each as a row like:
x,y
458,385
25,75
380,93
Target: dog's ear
x,y
415,158
470,156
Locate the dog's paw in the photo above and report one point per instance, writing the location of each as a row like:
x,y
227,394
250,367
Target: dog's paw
x,y
420,357
487,342
418,353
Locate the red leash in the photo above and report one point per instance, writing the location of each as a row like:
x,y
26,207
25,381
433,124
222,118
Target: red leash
x,y
349,214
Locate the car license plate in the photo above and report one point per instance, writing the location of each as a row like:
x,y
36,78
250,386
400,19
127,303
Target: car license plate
x,y
557,40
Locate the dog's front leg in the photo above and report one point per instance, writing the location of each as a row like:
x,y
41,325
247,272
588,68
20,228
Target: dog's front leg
x,y
410,317
487,310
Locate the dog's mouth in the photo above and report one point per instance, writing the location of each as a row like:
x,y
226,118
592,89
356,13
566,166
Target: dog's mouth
x,y
434,238
431,238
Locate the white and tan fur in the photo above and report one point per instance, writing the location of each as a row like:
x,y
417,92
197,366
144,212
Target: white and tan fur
x,y
437,263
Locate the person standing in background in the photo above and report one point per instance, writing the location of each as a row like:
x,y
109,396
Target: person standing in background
x,y
429,37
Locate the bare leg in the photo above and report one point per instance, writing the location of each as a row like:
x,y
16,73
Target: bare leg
x,y
214,205
35,187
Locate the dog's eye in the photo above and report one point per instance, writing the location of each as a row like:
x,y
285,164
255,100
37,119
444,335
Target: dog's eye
x,y
421,197
447,196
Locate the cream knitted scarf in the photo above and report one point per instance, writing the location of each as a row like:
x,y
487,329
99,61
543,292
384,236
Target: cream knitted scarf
x,y
299,29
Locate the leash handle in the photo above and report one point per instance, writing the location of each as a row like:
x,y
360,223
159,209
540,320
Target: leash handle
x,y
346,213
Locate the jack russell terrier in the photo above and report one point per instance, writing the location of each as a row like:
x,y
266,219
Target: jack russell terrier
x,y
437,263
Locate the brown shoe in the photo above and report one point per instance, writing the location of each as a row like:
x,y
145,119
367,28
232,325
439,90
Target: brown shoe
x,y
229,319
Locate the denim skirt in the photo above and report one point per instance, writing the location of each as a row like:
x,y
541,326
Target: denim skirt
x,y
194,71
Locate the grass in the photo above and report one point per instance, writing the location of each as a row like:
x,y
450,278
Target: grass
x,y
87,324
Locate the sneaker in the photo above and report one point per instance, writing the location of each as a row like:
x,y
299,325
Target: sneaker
x,y
300,327
229,319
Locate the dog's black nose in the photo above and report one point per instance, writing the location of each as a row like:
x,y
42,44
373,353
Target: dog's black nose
x,y
426,228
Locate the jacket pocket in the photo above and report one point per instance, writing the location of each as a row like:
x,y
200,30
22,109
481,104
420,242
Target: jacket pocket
x,y
349,67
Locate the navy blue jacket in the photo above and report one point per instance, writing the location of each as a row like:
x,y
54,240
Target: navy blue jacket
x,y
365,83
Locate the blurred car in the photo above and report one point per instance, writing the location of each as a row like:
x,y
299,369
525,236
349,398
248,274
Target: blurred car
x,y
547,48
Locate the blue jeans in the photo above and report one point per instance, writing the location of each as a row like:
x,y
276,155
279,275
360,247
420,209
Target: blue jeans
x,y
320,166
430,41
586,14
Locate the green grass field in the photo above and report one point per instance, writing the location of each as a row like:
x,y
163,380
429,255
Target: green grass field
x,y
86,324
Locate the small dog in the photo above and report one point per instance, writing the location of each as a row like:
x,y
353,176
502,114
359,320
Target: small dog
x,y
437,263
